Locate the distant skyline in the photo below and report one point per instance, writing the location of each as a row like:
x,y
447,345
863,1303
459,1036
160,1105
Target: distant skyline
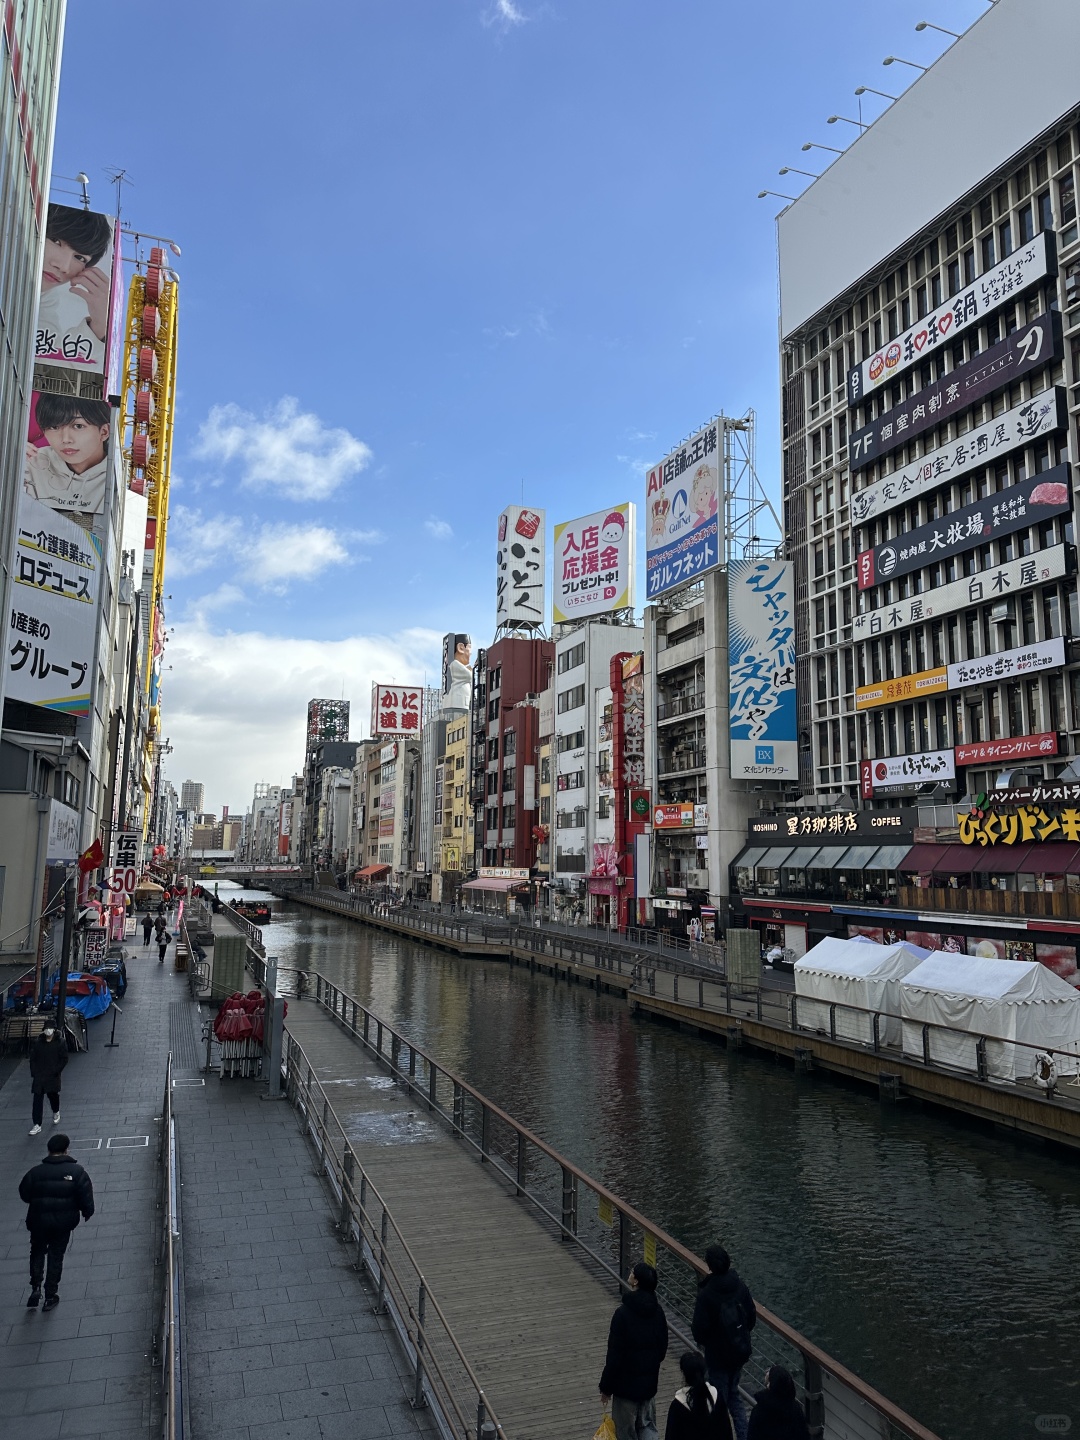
x,y
437,258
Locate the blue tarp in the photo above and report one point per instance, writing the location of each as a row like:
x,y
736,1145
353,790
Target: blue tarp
x,y
88,994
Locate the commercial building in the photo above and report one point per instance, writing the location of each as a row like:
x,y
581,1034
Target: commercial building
x,y
930,299
193,795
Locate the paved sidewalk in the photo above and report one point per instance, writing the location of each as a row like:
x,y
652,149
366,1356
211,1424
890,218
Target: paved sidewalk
x,y
84,1369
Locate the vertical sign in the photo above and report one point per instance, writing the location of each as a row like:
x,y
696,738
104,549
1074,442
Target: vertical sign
x,y
76,319
519,585
594,564
682,502
124,873
761,657
396,710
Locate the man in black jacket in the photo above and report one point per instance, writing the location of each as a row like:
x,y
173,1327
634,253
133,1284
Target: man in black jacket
x,y
56,1192
637,1344
48,1056
724,1315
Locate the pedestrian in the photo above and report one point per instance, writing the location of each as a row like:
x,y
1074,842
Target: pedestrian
x,y
698,1411
777,1414
724,1315
48,1056
637,1344
162,945
147,927
56,1193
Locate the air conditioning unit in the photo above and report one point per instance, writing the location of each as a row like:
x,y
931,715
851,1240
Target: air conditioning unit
x,y
1001,613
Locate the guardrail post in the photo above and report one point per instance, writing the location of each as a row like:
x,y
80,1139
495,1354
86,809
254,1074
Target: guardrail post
x,y
459,1109
485,1430
378,1037
757,1001
354,1016
877,1031
485,1127
701,994
520,1168
814,1381
418,1400
348,1169
361,1263
412,1067
367,1025
981,1064
569,1204
433,1076
675,986
395,1051
380,1304
926,1044
624,1247
832,1022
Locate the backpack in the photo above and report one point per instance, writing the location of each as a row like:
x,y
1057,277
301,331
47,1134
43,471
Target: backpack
x,y
731,1314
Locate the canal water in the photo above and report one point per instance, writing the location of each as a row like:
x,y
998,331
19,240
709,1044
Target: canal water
x,y
934,1259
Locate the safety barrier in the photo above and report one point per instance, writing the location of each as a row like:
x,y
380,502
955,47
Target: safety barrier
x,y
167,1337
608,1233
441,1373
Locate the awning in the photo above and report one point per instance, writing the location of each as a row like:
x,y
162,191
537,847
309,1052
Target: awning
x,y
1052,859
750,857
922,858
954,860
774,858
889,857
856,856
494,882
1002,860
827,857
799,859
370,871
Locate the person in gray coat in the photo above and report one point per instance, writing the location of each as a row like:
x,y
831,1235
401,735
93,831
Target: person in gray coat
x,y
48,1056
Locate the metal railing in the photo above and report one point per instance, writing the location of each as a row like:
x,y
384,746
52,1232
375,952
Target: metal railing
x,y
253,933
167,1345
608,1234
441,1372
198,964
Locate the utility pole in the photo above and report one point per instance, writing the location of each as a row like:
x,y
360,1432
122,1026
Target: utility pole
x,y
65,953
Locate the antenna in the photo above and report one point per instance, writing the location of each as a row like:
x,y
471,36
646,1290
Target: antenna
x,y
118,178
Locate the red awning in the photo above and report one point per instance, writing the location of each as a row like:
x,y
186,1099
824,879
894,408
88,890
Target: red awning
x,y
940,859
370,871
1052,859
1003,859
493,882
922,858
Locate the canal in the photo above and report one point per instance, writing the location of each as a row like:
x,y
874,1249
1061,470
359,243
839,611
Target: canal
x,y
935,1259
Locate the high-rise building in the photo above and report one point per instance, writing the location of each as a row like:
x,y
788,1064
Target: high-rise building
x,y
192,796
930,354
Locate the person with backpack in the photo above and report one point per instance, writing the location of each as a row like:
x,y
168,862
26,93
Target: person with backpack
x,y
637,1344
724,1316
777,1414
163,939
698,1411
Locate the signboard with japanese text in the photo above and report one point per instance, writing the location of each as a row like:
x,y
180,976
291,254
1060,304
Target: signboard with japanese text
x,y
396,710
1049,792
1008,664
1026,422
762,721
594,564
683,497
386,826
906,774
995,752
1039,497
996,584
904,687
1025,349
882,825
124,863
54,604
1023,268
80,290
503,872
673,817
1030,825
64,829
519,585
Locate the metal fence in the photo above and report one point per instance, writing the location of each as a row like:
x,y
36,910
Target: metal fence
x,y
167,1344
608,1234
440,1372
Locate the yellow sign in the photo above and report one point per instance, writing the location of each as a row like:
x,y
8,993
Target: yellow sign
x,y
650,1249
1030,823
606,1213
906,687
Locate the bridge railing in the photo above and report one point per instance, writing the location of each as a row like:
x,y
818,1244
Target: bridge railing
x,y
609,1234
167,1338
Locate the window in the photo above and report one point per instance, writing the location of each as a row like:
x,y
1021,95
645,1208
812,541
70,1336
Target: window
x,y
493,708
508,778
571,699
496,678
603,807
575,740
508,816
492,818
493,749
509,742
572,658
545,770
574,780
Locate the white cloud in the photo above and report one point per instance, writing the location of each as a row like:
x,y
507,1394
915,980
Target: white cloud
x,y
286,449
235,702
438,529
504,14
267,555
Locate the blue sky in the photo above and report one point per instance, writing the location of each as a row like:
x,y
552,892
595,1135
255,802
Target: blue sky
x,y
437,255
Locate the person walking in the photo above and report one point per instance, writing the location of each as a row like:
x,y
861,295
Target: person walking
x,y
637,1344
698,1411
48,1056
56,1194
724,1315
147,928
163,938
777,1414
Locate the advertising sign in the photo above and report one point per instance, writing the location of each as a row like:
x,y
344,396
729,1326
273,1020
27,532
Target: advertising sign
x,y
881,825
1028,660
906,774
1040,497
673,817
1022,269
682,504
904,687
67,453
762,721
124,872
386,827
396,710
1049,792
63,846
993,752
1029,825
53,616
78,290
1019,426
996,584
519,586
1025,349
502,872
456,674
594,564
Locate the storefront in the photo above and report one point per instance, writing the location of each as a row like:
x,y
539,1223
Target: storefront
x,y
498,891
603,901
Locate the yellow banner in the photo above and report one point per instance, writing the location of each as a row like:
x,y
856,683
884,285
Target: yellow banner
x,y
906,687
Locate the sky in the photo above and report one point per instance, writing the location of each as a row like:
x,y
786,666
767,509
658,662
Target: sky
x,y
439,256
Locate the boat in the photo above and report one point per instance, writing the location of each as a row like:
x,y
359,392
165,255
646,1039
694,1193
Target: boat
x,y
257,911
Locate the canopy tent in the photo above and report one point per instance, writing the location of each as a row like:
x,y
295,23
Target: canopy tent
x,y
855,973
495,882
1010,1000
370,872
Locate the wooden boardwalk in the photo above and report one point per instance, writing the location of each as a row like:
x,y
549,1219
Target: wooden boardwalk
x,y
530,1318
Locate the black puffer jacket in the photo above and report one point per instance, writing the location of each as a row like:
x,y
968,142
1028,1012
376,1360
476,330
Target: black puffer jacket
x,y
56,1193
719,1295
637,1344
774,1418
47,1059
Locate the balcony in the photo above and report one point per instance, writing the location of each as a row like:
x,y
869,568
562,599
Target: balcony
x,y
683,763
1049,905
681,705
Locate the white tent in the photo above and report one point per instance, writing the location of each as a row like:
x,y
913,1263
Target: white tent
x,y
857,973
1009,1000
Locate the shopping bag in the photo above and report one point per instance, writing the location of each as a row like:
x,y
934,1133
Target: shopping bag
x,y
606,1430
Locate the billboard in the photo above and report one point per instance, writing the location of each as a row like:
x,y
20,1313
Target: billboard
x,y
396,710
522,561
80,295
456,674
682,506
1025,349
683,816
1039,497
594,564
67,453
54,604
903,687
1008,664
906,774
124,871
993,752
1015,274
762,720
65,825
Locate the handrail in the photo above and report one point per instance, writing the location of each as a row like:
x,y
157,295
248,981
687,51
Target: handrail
x,y
373,1234
167,1338
613,1213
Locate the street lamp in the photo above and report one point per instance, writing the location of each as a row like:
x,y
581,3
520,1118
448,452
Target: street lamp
x,y
869,90
145,235
899,60
929,25
791,170
762,193
847,121
813,145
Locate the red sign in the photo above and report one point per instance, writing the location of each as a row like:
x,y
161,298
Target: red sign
x,y
396,710
866,569
992,752
866,779
673,817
